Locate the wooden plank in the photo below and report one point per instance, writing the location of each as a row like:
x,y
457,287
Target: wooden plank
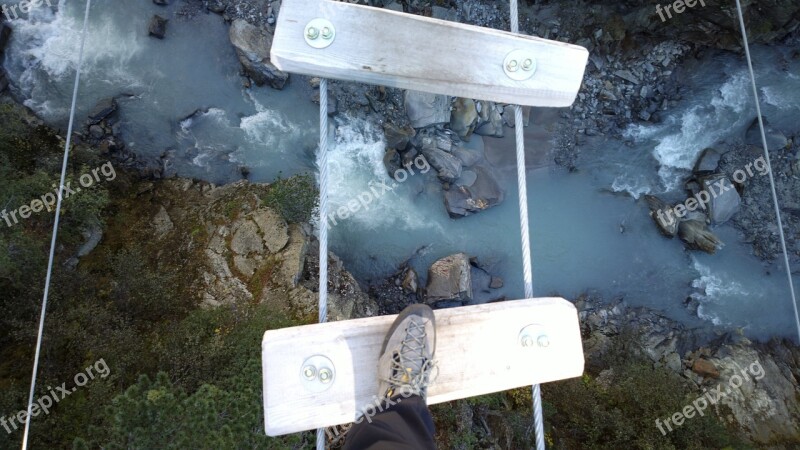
x,y
478,352
390,48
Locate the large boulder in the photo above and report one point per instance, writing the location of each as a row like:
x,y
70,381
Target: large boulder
x,y
424,109
447,165
449,279
476,191
252,47
725,200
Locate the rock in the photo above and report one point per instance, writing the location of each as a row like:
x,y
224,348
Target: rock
x,y
468,155
252,46
763,400
509,119
158,27
673,362
627,76
397,137
463,117
273,228
392,161
483,193
449,279
293,255
724,203
708,162
161,2
439,12
424,109
162,223
96,131
246,239
245,266
394,6
102,110
696,234
92,236
491,122
447,165
705,369
467,178
496,283
775,139
410,283
216,6
661,214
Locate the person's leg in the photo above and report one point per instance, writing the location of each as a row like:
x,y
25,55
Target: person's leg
x,y
404,369
405,425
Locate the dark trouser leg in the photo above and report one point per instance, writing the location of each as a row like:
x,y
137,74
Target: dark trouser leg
x,y
405,425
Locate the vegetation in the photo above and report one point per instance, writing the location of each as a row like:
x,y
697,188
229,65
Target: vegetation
x,y
294,197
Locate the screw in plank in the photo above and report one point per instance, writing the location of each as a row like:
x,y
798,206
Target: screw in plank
x,y
325,375
312,33
310,372
527,341
543,341
527,64
327,33
512,65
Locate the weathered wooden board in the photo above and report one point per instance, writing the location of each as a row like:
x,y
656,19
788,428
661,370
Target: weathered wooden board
x,y
478,352
390,48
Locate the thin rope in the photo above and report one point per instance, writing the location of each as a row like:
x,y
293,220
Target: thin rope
x,y
55,228
527,270
769,166
322,162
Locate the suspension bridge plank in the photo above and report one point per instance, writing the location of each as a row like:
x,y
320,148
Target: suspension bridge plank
x,y
478,351
395,49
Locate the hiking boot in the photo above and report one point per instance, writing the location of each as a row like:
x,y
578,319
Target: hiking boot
x,y
407,355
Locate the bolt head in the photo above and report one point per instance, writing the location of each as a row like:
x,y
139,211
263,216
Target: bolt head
x,y
512,65
543,341
527,64
312,33
325,375
327,33
310,372
527,341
